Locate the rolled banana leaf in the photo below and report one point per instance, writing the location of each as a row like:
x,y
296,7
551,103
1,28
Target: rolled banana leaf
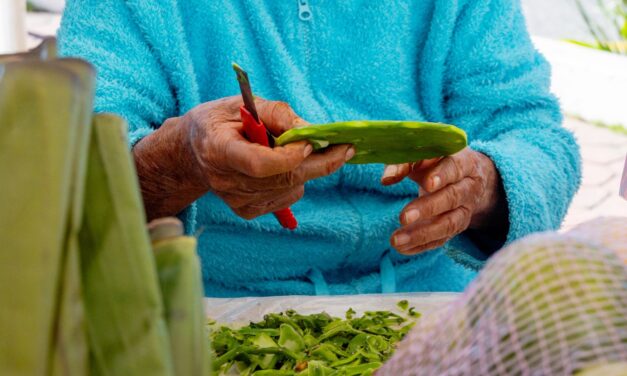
x,y
70,352
40,120
181,287
383,141
125,324
70,349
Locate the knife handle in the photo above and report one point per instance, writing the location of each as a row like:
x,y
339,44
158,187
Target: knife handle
x,y
256,132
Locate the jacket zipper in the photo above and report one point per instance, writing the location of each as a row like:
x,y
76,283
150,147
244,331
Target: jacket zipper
x,y
304,12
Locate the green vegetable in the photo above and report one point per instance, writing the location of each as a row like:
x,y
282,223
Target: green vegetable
x,y
126,328
79,286
181,287
41,114
293,344
70,356
383,141
403,305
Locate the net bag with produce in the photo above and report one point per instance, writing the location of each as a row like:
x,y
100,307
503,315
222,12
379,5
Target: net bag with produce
x,y
547,305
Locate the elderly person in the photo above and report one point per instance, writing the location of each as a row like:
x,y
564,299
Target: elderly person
x,y
165,67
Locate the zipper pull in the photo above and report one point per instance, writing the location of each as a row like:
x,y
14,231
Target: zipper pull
x,y
304,12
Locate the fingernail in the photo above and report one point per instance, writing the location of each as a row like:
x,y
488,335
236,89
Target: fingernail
x,y
435,182
308,150
390,171
400,240
411,216
350,153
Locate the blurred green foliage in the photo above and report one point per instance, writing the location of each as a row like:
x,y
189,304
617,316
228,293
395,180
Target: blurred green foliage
x,y
611,34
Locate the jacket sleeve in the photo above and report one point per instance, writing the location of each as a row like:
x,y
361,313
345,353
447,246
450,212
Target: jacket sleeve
x,y
130,81
497,87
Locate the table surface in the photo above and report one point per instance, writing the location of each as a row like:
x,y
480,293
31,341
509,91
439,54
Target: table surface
x,y
244,310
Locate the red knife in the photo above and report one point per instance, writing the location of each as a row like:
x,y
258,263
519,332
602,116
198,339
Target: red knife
x,y
257,132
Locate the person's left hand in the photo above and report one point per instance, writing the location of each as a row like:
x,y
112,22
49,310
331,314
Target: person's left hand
x,y
457,192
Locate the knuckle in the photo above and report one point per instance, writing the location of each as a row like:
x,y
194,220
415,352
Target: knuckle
x,y
460,192
300,192
247,213
417,237
298,177
280,111
294,196
452,195
466,214
236,201
220,184
439,243
457,167
450,222
280,106
475,166
287,179
329,167
255,167
239,212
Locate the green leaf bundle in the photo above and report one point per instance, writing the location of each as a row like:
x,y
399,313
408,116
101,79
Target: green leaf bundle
x,y
180,279
127,331
41,313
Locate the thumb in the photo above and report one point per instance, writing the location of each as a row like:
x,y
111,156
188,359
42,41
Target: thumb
x,y
277,116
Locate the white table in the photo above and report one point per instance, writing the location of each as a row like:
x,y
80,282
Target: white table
x,y
244,310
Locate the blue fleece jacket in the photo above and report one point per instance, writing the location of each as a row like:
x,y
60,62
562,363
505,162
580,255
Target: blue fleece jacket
x,y
465,62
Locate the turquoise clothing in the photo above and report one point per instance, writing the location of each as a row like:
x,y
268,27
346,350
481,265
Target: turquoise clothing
x,y
465,62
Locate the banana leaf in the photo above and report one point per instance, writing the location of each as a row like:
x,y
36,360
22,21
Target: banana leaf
x,y
126,329
40,120
70,352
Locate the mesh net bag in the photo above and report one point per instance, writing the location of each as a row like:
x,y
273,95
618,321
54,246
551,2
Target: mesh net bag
x,y
551,304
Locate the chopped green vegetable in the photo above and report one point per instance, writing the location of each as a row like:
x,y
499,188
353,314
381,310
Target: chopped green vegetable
x,y
293,344
383,141
403,304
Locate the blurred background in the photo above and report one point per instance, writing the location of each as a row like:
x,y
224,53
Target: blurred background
x,y
586,43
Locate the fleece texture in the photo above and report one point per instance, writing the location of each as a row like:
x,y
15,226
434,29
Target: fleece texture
x,y
465,62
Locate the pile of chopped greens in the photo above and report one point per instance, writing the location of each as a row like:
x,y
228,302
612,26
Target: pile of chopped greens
x,y
289,343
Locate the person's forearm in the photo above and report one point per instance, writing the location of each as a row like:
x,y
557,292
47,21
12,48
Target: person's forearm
x,y
165,167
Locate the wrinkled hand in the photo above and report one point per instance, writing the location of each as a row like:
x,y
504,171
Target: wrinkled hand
x,y
206,150
457,192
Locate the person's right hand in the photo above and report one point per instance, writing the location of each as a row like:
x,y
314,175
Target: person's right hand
x,y
206,150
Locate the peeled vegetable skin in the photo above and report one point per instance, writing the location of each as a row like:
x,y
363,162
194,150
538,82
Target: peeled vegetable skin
x,y
126,328
382,141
